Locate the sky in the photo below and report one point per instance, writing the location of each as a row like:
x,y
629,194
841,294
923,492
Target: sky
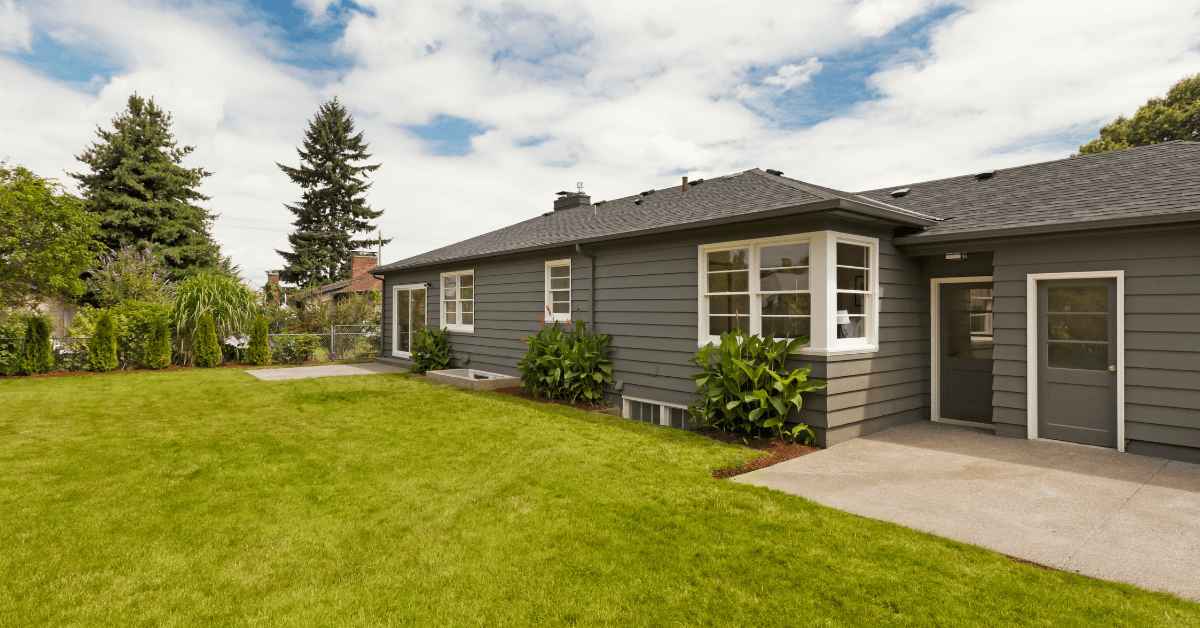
x,y
480,110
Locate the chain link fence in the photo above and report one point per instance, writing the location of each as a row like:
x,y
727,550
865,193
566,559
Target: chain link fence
x,y
344,342
70,354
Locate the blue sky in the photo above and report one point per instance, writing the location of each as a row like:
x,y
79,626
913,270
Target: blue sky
x,y
479,110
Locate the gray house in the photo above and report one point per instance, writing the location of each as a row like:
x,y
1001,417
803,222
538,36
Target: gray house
x,y
1055,300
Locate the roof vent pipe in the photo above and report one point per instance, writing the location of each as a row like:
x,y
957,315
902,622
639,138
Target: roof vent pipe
x,y
901,192
685,184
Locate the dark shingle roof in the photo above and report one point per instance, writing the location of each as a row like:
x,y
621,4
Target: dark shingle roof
x,y
743,196
1150,183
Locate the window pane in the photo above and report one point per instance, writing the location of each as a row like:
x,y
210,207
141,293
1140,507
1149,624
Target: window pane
x,y
468,319
560,308
560,283
1069,355
737,304
784,280
975,300
718,325
852,279
560,271
449,282
418,309
560,295
851,326
786,326
466,293
737,259
466,281
1077,299
467,306
1077,327
978,347
738,281
785,304
981,323
852,303
450,305
851,255
450,318
783,255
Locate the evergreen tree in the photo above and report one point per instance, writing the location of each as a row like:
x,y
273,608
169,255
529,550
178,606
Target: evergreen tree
x,y
333,207
142,194
208,350
1173,117
102,346
158,351
258,352
37,357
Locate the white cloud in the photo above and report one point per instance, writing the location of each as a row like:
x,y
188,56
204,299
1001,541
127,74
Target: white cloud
x,y
16,32
789,76
627,94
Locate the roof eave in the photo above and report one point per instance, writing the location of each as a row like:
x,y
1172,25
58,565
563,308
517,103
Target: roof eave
x,y
1046,229
867,211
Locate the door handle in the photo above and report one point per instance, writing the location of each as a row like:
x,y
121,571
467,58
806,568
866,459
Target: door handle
x,y
1113,368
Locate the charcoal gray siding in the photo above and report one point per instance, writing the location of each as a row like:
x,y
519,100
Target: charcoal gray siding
x,y
647,298
1162,331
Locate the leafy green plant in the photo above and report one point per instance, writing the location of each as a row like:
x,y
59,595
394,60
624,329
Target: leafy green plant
x,y
294,348
566,363
36,356
258,352
158,349
133,325
102,347
430,350
744,385
208,351
225,299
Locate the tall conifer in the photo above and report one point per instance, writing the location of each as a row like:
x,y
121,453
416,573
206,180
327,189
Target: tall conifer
x,y
333,207
142,193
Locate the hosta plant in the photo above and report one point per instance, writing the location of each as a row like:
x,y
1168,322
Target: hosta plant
x,y
744,385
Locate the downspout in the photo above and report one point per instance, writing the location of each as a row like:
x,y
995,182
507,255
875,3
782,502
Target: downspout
x,y
591,285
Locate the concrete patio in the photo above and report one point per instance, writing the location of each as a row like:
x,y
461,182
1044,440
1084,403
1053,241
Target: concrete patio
x,y
325,370
1092,511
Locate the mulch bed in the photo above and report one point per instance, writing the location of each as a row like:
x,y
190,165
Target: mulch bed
x,y
519,392
779,449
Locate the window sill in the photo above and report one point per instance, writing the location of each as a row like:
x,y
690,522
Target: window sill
x,y
840,350
459,329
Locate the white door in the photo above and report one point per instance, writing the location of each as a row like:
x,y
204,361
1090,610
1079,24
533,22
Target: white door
x,y
408,303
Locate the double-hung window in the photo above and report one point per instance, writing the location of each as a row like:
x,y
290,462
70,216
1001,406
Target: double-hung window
x,y
558,290
822,285
458,301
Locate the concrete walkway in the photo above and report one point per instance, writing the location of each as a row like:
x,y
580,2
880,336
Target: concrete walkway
x,y
326,370
1093,511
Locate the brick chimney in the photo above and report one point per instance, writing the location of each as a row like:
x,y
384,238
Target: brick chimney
x,y
272,276
361,262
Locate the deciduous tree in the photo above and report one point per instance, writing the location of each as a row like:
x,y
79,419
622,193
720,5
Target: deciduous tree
x,y
1173,117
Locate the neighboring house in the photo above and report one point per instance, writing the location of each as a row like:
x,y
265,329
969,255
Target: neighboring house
x,y
360,280
1055,300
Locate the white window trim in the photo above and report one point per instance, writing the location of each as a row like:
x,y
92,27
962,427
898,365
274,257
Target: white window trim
x,y
663,415
822,272
562,318
396,352
466,329
1031,346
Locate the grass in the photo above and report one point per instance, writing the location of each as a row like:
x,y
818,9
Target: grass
x,y
212,498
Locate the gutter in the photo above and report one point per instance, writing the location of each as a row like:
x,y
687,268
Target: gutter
x,y
1056,228
864,209
591,285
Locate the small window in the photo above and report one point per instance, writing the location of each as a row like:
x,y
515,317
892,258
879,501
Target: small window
x,y
458,301
853,290
558,290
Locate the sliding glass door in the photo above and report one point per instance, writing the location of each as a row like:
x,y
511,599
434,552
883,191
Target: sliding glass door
x,y
408,303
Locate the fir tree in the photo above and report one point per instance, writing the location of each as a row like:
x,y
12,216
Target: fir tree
x,y
102,346
333,207
208,350
258,352
158,353
142,194
37,357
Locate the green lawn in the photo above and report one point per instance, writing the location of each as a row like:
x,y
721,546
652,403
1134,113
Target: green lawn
x,y
211,498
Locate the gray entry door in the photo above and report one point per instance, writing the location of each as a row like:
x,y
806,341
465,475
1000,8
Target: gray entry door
x,y
966,351
1077,344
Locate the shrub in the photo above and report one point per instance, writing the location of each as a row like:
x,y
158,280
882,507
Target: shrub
x,y
430,350
743,384
223,298
294,349
133,326
207,350
36,357
102,348
566,364
158,349
12,330
258,352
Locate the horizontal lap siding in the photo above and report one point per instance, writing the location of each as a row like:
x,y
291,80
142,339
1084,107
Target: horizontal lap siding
x,y
1162,326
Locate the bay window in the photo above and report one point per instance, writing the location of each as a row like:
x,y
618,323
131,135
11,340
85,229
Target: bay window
x,y
821,285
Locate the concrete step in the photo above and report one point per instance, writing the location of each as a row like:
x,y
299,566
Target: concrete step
x,y
401,362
